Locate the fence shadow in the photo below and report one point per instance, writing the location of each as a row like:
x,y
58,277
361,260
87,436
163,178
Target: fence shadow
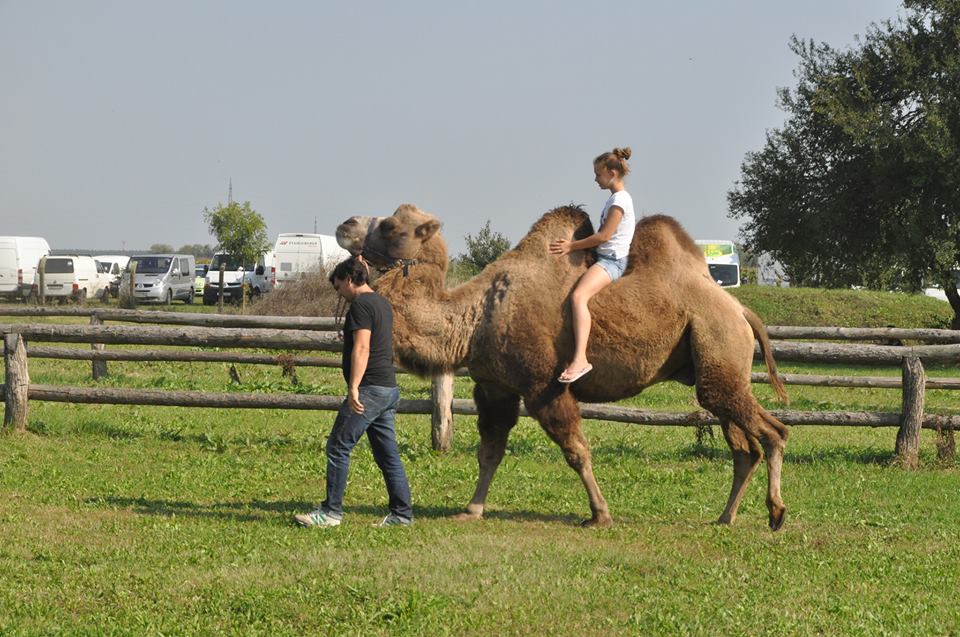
x,y
266,510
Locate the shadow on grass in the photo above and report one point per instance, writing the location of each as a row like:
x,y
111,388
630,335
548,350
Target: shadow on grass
x,y
262,510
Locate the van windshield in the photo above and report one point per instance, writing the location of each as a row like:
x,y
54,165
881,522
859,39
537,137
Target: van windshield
x,y
151,265
229,263
59,266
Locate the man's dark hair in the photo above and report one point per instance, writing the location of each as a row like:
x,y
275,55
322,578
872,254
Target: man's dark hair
x,y
353,269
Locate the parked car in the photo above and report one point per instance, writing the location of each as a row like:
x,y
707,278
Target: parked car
x,y
162,278
19,257
297,253
115,264
200,275
74,277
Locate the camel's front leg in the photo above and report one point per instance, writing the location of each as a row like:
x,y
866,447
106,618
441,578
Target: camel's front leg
x,y
497,414
560,418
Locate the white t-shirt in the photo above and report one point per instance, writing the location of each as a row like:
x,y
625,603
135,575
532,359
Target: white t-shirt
x,y
618,245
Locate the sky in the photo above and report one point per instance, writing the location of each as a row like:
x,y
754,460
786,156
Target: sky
x,y
120,121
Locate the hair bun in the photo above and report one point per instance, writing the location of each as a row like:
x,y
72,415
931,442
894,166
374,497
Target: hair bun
x,y
622,153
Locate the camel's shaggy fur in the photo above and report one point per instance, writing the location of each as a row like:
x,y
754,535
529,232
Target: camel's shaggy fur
x,y
510,325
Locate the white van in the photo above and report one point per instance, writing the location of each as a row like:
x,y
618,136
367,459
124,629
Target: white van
x,y
74,277
297,253
162,278
114,264
19,257
235,274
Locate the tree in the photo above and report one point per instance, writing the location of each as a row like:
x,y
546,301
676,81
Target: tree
x,y
483,249
161,248
240,230
200,250
861,186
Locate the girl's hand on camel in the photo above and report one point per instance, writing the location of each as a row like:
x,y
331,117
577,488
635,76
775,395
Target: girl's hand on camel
x,y
560,246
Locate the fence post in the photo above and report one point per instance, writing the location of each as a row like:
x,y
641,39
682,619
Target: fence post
x,y
17,381
441,420
911,415
223,267
99,366
41,275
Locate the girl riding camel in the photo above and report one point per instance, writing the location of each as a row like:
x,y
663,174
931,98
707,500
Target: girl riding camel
x,y
612,243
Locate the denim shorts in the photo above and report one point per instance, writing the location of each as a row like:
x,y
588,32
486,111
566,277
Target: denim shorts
x,y
613,267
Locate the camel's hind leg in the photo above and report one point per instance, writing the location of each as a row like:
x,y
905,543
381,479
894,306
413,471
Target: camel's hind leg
x,y
746,456
760,429
560,418
723,357
774,445
497,414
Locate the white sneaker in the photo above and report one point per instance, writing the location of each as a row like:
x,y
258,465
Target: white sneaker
x,y
317,517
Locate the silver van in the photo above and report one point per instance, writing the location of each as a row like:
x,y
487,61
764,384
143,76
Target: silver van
x,y
161,278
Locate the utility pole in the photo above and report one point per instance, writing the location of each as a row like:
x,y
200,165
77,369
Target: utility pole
x,y
314,224
230,193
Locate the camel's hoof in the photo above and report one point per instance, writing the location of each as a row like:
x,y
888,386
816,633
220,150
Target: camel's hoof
x,y
604,522
722,521
466,516
777,519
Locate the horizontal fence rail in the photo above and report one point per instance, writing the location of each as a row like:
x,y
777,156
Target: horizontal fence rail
x,y
179,336
782,332
181,318
460,406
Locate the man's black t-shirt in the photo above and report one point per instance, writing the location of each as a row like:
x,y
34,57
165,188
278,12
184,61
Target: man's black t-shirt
x,y
372,312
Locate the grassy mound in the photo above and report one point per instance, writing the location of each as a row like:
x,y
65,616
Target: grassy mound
x,y
844,308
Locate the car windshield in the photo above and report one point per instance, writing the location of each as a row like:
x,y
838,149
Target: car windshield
x,y
228,262
201,270
725,275
151,265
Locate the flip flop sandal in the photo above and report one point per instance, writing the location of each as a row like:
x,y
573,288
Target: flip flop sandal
x,y
576,375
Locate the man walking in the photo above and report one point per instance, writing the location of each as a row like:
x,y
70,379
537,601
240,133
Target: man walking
x,y
371,403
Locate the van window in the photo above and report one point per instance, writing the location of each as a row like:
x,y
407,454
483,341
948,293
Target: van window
x,y
151,265
229,263
184,267
59,266
286,267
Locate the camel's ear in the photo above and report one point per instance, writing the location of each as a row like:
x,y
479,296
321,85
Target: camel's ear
x,y
427,229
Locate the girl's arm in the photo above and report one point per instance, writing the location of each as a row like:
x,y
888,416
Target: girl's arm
x,y
565,246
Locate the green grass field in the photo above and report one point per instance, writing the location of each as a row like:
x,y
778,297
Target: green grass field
x,y
143,520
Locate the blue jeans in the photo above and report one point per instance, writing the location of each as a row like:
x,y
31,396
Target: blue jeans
x,y
377,419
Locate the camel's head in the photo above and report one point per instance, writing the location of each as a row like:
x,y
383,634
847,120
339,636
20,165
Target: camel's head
x,y
384,240
353,232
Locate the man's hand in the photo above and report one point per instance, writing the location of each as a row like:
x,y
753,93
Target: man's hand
x,y
353,400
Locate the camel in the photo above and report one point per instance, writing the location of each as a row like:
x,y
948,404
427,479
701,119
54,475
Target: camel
x,y
665,319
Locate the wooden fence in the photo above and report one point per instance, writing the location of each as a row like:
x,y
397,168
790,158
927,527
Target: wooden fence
x,y
315,334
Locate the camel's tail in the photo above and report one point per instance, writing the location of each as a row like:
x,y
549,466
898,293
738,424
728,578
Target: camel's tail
x,y
760,333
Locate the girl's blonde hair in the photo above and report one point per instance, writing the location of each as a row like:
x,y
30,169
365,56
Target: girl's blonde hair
x,y
615,159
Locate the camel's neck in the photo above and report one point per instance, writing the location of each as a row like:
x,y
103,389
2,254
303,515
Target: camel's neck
x,y
432,326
